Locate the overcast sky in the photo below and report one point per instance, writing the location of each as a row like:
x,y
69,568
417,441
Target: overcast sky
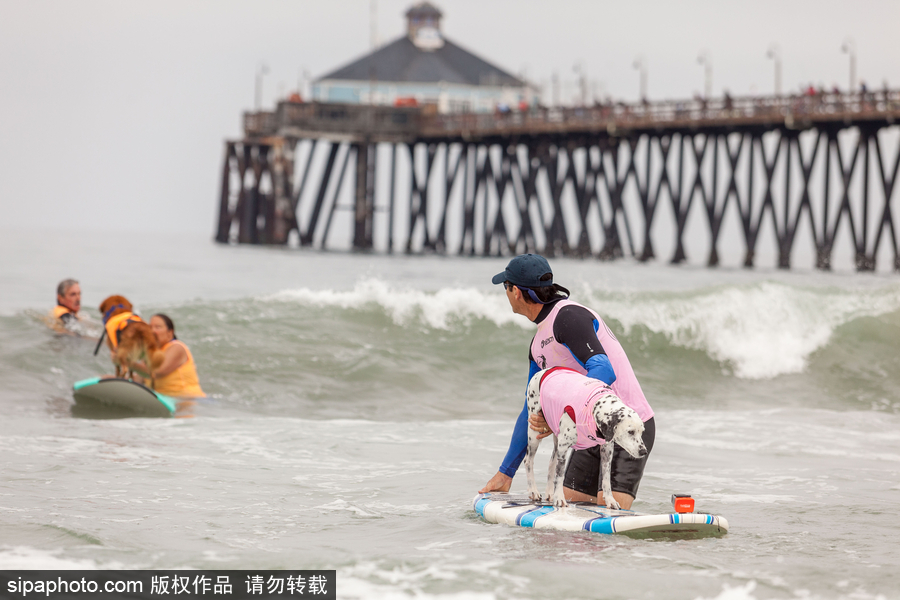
x,y
113,113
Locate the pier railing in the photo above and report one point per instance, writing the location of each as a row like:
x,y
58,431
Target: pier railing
x,y
335,121
791,110
386,123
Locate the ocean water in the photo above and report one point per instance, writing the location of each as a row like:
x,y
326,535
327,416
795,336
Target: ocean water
x,y
357,403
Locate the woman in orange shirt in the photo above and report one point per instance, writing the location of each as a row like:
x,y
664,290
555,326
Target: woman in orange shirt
x,y
177,376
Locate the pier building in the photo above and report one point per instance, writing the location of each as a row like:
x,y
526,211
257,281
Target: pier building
x,y
424,68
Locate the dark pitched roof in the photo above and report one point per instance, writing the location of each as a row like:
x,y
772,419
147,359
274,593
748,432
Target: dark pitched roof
x,y
402,60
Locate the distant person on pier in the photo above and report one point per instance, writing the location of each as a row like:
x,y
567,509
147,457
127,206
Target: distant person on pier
x,y
703,102
573,336
177,375
865,99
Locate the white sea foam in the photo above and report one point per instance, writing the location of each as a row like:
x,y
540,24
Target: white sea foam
x,y
350,587
745,592
343,505
373,579
761,330
435,309
742,592
14,558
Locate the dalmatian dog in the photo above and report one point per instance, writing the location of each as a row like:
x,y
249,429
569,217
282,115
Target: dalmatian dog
x,y
613,422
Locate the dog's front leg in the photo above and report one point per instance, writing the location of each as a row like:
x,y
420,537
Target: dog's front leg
x,y
533,402
551,471
568,435
606,454
533,443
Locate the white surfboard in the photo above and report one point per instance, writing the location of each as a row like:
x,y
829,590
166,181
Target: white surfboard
x,y
123,394
518,510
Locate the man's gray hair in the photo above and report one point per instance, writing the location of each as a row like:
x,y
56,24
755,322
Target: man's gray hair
x,y
64,286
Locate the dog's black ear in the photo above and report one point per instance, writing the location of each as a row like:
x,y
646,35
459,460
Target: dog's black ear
x,y
607,429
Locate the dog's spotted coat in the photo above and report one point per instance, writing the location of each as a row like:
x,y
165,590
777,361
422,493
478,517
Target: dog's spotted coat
x,y
616,423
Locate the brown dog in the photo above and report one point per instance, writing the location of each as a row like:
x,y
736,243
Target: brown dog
x,y
130,340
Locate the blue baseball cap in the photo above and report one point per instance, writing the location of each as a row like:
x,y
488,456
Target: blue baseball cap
x,y
526,270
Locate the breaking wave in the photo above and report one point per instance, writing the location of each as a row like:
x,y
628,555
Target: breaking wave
x,y
758,330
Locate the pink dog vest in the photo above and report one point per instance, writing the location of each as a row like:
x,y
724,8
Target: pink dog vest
x,y
548,353
566,391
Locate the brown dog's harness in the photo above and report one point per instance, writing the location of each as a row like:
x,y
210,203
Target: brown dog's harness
x,y
113,325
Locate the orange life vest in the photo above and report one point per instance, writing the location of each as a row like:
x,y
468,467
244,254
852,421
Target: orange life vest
x,y
183,381
59,310
117,323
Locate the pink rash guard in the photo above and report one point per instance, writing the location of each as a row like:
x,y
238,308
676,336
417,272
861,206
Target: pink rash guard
x,y
564,390
548,352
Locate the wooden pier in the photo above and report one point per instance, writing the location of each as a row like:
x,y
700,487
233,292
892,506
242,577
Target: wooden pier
x,y
603,181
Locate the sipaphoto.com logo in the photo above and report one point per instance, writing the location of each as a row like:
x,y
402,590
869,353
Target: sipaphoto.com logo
x,y
50,587
155,584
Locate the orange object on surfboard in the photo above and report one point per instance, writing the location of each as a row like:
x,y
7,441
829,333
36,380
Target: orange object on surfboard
x,y
682,503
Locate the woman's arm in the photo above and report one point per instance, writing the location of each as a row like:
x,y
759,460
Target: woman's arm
x,y
175,356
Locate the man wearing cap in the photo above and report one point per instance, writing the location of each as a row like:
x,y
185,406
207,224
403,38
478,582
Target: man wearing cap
x,y
571,335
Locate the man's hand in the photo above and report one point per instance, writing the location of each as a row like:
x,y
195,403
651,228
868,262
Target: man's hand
x,y
498,483
538,423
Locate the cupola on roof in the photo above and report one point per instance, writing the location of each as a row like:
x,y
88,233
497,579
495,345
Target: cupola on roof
x,y
424,55
423,26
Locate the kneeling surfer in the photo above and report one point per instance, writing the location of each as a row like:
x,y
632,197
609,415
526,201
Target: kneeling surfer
x,y
574,336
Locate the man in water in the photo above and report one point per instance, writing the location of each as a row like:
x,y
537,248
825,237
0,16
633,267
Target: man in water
x,y
68,303
573,336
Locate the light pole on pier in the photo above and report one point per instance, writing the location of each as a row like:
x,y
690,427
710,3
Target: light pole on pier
x,y
706,61
373,24
582,82
598,90
263,70
554,89
302,79
775,54
849,47
641,65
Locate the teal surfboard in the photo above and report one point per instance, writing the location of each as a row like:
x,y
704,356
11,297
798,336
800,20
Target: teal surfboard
x,y
520,511
122,395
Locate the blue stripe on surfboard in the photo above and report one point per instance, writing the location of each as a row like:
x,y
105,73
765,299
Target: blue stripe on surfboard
x,y
169,403
85,382
601,525
527,519
480,504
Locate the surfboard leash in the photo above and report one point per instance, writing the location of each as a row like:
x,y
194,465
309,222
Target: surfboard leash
x,y
100,341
